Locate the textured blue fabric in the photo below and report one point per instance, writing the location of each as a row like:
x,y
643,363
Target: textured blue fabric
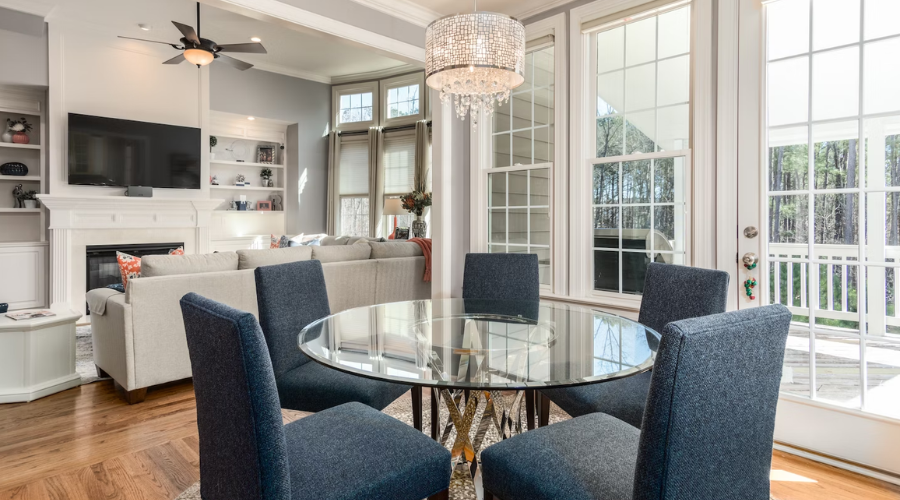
x,y
354,452
671,293
501,276
574,460
315,387
707,430
349,452
117,287
291,296
241,438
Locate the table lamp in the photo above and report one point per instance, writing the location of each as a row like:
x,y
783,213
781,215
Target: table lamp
x,y
394,207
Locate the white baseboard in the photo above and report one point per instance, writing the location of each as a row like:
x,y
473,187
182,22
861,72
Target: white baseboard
x,y
840,464
41,390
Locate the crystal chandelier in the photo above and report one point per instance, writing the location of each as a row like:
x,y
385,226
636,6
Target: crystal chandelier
x,y
478,57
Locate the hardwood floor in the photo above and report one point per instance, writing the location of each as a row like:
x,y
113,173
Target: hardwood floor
x,y
85,443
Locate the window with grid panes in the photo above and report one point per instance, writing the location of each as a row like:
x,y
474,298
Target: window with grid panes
x,y
354,186
399,171
522,160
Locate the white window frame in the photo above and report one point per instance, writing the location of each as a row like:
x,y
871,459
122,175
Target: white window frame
x,y
338,215
349,89
388,219
482,163
404,81
582,143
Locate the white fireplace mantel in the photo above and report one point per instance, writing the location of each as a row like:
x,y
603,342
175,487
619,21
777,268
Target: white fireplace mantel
x,y
70,215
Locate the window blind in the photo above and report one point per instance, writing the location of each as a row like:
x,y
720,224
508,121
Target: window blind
x,y
354,167
399,163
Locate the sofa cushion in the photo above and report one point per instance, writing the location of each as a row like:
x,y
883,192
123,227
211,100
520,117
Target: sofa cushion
x,y
346,240
168,265
341,253
251,259
395,249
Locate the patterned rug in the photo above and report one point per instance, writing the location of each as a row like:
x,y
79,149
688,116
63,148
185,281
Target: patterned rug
x,y
462,487
84,355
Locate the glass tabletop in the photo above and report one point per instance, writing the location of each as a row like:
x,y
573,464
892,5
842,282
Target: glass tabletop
x,y
481,344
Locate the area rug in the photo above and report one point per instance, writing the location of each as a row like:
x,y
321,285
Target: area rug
x,y
84,355
462,487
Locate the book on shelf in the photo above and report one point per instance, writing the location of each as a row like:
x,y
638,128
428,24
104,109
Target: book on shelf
x,y
21,315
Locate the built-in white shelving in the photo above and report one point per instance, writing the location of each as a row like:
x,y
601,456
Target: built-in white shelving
x,y
248,188
19,146
20,210
20,178
244,164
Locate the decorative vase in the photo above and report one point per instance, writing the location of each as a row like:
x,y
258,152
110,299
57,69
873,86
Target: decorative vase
x,y
418,227
6,136
30,203
14,168
20,138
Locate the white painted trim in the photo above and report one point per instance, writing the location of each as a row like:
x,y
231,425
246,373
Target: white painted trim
x,y
703,137
403,9
840,464
28,7
376,75
725,232
525,14
40,390
296,73
442,210
297,18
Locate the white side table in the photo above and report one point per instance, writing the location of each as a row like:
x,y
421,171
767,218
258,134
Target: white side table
x,y
37,356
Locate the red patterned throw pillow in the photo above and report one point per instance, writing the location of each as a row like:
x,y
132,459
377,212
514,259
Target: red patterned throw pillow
x,y
130,266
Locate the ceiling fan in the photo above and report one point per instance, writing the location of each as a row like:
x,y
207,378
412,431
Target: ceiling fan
x,y
202,51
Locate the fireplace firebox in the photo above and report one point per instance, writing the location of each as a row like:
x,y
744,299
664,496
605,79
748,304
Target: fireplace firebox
x,y
102,268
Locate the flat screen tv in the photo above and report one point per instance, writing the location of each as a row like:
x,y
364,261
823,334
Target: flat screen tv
x,y
113,152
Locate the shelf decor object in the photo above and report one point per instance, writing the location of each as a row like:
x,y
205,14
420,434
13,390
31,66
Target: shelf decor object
x,y
14,168
477,57
265,155
19,129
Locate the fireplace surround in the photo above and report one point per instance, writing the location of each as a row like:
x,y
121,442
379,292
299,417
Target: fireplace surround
x,y
102,267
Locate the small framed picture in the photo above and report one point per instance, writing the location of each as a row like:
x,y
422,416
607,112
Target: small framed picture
x,y
265,154
264,206
401,233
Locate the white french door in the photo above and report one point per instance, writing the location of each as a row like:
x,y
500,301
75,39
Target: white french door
x,y
817,146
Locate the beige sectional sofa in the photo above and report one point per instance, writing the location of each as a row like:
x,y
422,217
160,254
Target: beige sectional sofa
x,y
139,337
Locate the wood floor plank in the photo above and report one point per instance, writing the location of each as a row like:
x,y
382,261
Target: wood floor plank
x,y
85,443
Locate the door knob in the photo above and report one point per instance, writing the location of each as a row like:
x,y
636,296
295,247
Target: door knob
x,y
750,260
751,232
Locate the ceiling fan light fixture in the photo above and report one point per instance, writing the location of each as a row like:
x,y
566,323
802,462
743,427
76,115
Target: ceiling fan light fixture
x,y
199,57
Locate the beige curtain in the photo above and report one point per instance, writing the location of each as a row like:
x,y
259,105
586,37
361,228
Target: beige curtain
x,y
376,180
423,155
333,209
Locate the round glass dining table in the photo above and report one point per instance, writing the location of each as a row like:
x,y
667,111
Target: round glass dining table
x,y
480,348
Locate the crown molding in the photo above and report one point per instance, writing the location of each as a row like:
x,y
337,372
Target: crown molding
x,y
403,9
295,73
525,14
375,75
28,7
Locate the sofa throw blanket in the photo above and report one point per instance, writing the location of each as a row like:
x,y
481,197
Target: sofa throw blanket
x,y
97,298
425,245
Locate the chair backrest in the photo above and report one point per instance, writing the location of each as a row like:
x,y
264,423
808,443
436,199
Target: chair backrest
x,y
710,415
503,276
673,293
290,296
242,444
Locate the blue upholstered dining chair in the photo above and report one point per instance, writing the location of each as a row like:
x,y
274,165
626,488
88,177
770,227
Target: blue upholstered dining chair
x,y
501,276
349,452
291,296
707,432
671,293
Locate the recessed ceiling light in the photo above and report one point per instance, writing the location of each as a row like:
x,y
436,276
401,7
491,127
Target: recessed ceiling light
x,y
256,39
251,118
145,27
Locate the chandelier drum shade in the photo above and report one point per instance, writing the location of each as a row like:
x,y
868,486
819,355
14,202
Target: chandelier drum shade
x,y
478,57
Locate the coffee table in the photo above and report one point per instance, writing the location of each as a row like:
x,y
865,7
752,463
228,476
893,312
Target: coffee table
x,y
479,348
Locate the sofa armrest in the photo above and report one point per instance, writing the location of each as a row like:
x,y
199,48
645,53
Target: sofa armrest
x,y
113,342
160,347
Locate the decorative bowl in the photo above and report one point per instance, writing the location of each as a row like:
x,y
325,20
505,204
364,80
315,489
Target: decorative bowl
x,y
13,168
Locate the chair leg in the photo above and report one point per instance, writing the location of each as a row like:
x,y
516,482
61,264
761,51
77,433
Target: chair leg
x,y
529,408
543,410
444,495
416,393
435,415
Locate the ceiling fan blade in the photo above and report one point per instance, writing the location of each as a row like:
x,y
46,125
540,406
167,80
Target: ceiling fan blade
x,y
188,32
241,65
175,60
253,48
151,41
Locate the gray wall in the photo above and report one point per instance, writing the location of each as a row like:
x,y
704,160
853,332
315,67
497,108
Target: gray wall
x,y
303,102
23,49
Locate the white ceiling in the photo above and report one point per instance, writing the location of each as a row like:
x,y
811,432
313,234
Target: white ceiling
x,y
305,54
422,12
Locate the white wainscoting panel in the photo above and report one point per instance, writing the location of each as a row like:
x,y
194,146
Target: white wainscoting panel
x,y
24,270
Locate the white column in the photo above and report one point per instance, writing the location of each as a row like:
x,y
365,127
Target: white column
x,y
60,256
875,222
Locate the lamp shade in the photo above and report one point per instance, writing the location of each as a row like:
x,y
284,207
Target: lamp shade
x,y
199,57
394,206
